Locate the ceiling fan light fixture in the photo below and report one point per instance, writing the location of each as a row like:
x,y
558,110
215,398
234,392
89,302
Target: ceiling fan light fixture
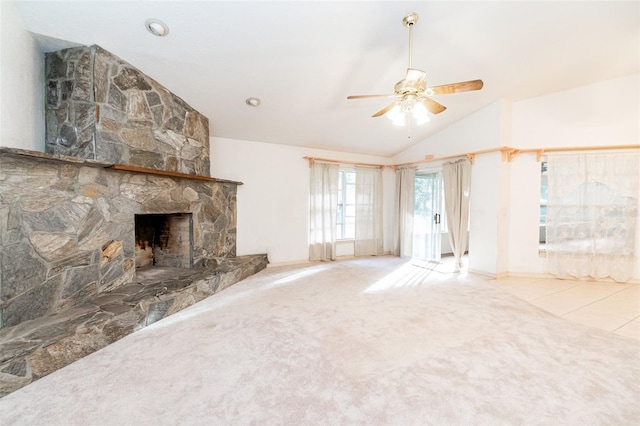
x,y
408,108
397,115
156,27
419,112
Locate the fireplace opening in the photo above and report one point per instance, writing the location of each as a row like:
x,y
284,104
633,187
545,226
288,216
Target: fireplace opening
x,y
164,240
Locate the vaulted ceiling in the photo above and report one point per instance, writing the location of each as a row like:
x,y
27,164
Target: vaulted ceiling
x,y
303,58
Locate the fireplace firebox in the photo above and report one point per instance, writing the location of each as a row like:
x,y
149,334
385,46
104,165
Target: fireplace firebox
x,y
164,240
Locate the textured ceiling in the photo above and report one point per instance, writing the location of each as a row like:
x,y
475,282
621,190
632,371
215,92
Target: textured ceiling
x,y
304,58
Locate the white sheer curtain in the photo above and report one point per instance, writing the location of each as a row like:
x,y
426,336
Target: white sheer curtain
x,y
323,206
592,214
405,196
457,183
368,239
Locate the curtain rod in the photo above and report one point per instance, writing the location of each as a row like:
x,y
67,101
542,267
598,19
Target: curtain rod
x,y
508,154
327,160
471,155
540,151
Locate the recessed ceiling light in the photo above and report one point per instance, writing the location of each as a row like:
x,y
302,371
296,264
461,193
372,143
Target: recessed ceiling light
x,y
157,27
254,102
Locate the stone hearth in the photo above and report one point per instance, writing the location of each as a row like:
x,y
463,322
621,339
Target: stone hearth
x,y
36,348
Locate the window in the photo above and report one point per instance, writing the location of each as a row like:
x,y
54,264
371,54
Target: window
x,y
592,214
346,216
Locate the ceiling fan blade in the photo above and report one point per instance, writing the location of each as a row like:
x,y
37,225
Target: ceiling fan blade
x,y
463,86
385,109
371,96
431,105
415,78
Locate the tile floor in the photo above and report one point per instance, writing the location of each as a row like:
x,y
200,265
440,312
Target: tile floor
x,y
610,306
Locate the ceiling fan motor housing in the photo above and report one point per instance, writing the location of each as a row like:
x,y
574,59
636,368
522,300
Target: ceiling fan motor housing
x,y
403,87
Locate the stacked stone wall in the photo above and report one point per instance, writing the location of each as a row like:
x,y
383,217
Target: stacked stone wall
x,y
100,107
67,229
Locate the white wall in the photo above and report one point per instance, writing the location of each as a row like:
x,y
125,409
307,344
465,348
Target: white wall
x,y
477,131
483,214
503,217
273,203
489,213
605,113
524,189
21,84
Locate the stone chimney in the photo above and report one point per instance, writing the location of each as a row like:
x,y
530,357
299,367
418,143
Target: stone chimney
x,y
100,107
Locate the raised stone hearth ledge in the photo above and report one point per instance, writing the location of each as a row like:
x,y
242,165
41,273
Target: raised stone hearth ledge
x,y
103,164
36,348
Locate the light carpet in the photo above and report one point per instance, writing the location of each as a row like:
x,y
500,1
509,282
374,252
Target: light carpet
x,y
375,341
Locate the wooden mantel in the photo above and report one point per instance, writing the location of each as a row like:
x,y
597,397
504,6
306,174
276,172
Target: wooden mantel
x,y
168,173
106,165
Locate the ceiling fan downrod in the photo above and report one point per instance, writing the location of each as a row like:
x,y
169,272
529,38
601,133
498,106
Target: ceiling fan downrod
x,y
409,21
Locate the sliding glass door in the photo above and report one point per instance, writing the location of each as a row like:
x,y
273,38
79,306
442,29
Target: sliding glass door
x,y
428,216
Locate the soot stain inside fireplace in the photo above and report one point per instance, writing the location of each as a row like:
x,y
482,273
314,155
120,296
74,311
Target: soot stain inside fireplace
x,y
164,240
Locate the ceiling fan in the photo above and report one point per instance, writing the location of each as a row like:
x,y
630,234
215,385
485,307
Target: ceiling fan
x,y
413,93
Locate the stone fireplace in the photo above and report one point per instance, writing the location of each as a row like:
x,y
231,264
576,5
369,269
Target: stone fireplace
x,y
69,229
117,225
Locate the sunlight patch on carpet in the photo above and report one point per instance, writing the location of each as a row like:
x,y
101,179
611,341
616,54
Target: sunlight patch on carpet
x,y
288,278
404,276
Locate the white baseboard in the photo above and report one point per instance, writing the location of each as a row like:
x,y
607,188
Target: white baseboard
x,y
290,263
305,261
546,276
505,274
541,275
488,274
